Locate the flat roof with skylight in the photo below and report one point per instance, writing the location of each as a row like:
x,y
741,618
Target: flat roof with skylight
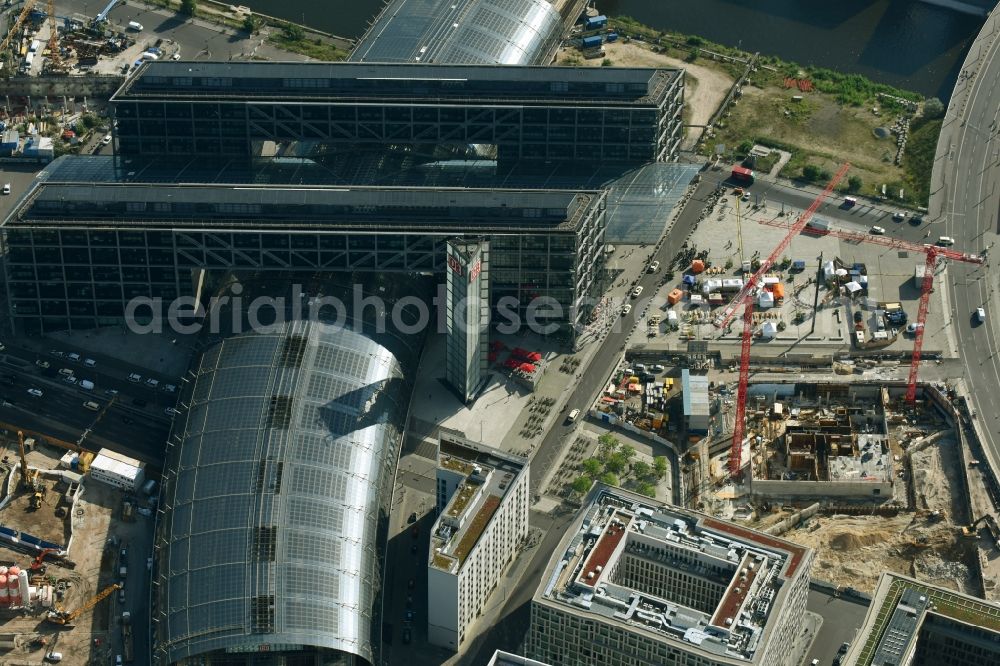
x,y
488,476
671,573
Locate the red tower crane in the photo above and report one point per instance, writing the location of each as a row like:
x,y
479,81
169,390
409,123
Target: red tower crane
x,y
746,298
932,253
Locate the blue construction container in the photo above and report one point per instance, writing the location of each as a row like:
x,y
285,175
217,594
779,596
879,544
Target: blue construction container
x,y
798,265
595,22
9,142
593,42
690,280
612,37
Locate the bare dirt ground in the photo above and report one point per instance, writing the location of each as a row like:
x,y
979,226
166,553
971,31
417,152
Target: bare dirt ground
x,y
855,550
705,87
94,561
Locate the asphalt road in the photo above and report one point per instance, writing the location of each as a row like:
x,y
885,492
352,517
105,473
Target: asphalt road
x,y
965,203
515,618
612,348
136,424
841,619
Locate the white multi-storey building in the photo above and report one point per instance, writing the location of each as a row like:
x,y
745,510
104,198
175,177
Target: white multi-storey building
x,y
636,582
482,505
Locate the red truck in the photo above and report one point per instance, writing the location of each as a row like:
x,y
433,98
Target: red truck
x,y
742,175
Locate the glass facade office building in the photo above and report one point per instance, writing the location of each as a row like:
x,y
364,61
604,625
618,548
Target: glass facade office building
x,y
79,252
243,113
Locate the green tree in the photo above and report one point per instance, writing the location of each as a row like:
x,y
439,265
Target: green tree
x,y
608,445
592,466
811,172
745,147
609,479
933,108
189,7
606,62
628,452
293,32
616,462
854,184
641,469
582,484
647,489
252,24
660,466
88,121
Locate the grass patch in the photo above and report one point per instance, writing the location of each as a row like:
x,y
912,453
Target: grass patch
x,y
314,48
818,131
831,125
918,160
765,164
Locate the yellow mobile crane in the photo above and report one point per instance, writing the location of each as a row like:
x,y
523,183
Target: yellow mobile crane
x,y
64,618
18,22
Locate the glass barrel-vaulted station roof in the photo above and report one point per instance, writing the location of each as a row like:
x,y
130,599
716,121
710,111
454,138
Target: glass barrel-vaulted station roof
x,y
275,492
504,32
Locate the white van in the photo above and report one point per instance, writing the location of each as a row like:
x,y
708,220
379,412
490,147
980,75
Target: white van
x,y
573,416
86,385
135,25
91,405
946,240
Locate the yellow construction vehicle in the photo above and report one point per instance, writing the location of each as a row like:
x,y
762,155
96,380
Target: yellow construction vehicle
x,y
62,617
36,501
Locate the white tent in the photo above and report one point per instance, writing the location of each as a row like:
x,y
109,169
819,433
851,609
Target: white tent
x,y
769,330
852,288
765,300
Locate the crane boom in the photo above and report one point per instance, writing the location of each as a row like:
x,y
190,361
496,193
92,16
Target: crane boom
x,y
724,317
888,241
18,22
932,254
739,427
746,298
62,617
918,335
55,60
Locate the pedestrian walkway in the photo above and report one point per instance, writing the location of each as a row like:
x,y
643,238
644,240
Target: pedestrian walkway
x,y
502,415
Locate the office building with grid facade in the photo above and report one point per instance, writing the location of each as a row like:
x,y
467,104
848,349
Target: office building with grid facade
x,y
636,582
249,112
80,252
910,622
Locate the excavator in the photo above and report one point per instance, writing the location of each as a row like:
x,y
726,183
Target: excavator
x,y
65,618
38,566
